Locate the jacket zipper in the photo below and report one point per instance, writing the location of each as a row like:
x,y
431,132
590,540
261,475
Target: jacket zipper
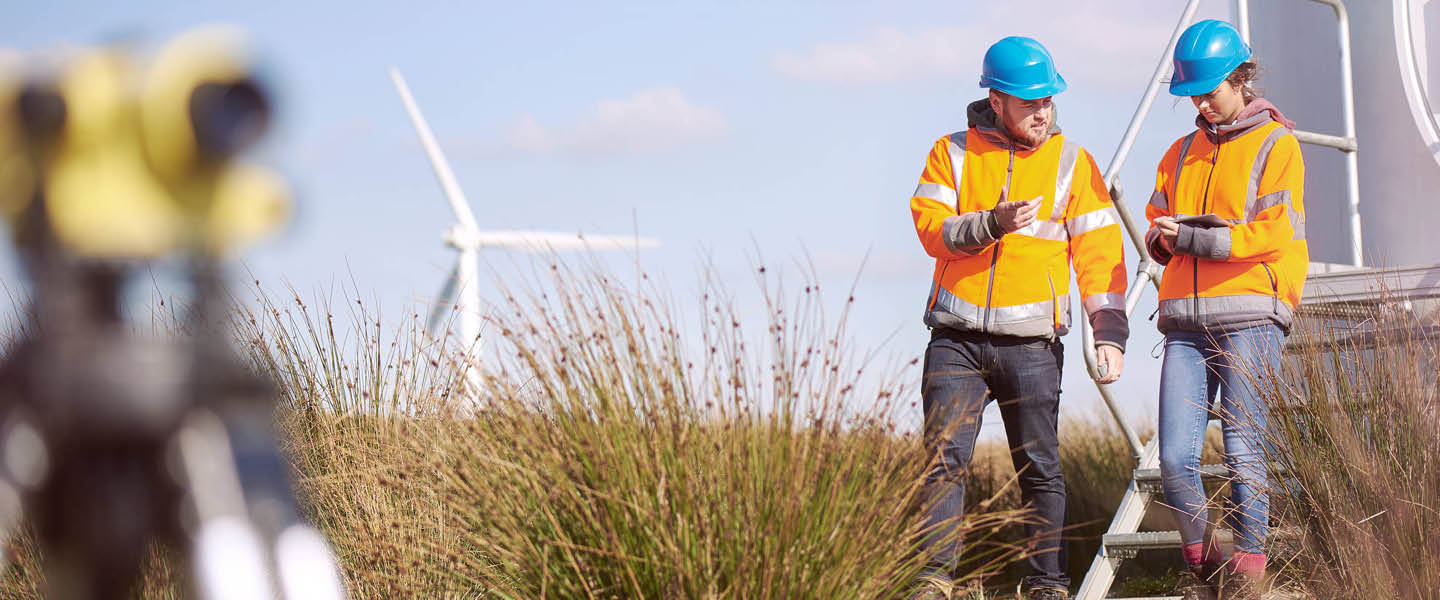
x,y
995,254
1204,209
1054,304
1274,288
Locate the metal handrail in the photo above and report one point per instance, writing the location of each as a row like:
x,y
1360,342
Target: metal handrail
x,y
1347,107
1147,271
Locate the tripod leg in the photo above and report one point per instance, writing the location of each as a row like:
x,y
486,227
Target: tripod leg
x,y
228,552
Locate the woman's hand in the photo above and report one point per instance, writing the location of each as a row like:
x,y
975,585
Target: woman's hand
x,y
1169,232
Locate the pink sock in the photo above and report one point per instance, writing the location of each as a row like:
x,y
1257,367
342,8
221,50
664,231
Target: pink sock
x,y
1248,563
1213,555
1194,553
1201,553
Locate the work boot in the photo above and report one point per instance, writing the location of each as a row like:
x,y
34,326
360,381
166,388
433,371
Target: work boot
x,y
932,589
1241,586
1046,593
1198,582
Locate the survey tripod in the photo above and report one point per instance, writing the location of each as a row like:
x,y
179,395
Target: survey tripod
x,y
112,439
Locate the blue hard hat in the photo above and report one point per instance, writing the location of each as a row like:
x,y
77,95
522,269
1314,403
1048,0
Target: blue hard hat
x,y
1205,55
1021,67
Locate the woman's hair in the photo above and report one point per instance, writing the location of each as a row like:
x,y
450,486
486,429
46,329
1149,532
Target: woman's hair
x,y
1244,77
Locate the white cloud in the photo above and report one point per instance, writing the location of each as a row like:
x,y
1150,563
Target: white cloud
x,y
647,121
1097,43
887,55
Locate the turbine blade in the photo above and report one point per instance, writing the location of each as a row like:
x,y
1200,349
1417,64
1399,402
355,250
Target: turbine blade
x,y
451,187
445,303
542,241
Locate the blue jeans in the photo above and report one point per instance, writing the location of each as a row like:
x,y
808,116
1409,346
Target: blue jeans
x,y
963,371
1196,366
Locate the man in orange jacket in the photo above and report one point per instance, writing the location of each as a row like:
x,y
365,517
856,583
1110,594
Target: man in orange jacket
x,y
1005,207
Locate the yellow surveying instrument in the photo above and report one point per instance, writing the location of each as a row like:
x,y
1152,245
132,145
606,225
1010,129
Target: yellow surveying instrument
x,y
109,439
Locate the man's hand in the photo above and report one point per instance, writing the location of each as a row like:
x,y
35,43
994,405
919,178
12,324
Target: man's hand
x,y
1014,216
1169,232
1109,361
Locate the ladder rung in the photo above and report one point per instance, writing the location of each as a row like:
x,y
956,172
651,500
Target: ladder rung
x,y
1216,471
1343,144
1152,540
1207,472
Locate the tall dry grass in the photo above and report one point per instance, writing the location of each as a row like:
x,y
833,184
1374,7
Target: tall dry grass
x,y
604,454
1355,431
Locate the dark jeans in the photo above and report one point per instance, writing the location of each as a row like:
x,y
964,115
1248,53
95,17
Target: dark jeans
x,y
963,371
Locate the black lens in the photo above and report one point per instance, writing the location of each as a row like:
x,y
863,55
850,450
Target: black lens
x,y
41,111
228,117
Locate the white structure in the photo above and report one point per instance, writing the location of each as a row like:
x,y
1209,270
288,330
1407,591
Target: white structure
x,y
1396,78
1355,75
461,289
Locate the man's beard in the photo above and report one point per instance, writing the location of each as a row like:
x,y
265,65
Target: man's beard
x,y
1028,138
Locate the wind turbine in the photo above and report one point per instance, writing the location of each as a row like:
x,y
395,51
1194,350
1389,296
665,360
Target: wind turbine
x,y
461,289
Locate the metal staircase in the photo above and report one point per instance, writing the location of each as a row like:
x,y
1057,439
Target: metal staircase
x,y
1124,539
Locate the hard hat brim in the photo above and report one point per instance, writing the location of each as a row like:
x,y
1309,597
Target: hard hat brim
x,y
1196,87
1026,92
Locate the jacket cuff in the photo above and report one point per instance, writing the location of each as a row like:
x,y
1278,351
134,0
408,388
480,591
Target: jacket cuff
x,y
1111,327
1157,250
1209,243
969,233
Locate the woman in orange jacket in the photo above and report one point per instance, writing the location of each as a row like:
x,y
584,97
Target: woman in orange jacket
x,y
1228,221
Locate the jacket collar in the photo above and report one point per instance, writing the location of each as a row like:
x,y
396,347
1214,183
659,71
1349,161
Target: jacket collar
x,y
984,121
1256,113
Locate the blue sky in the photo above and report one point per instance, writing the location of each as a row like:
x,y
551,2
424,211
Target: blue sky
x,y
795,128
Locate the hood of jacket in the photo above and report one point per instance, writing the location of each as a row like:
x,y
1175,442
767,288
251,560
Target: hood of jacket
x,y
1258,112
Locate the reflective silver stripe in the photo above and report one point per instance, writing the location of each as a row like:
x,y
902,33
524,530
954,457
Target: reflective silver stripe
x,y
1092,220
971,313
1063,176
1022,312
1095,302
1282,197
1269,201
938,192
1045,230
1257,170
1179,166
1238,309
1159,201
956,145
1032,319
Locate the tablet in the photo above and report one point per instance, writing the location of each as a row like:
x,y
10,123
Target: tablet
x,y
1204,221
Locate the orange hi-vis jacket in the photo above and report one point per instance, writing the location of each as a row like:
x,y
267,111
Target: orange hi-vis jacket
x,y
1251,175
1018,284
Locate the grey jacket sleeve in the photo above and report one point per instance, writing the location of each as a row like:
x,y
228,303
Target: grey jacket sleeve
x,y
1210,243
970,233
1111,327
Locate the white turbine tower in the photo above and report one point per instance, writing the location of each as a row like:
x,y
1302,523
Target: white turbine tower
x,y
461,289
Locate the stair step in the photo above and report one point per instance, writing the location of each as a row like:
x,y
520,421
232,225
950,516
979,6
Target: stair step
x,y
1126,544
1152,476
1152,598
1149,479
